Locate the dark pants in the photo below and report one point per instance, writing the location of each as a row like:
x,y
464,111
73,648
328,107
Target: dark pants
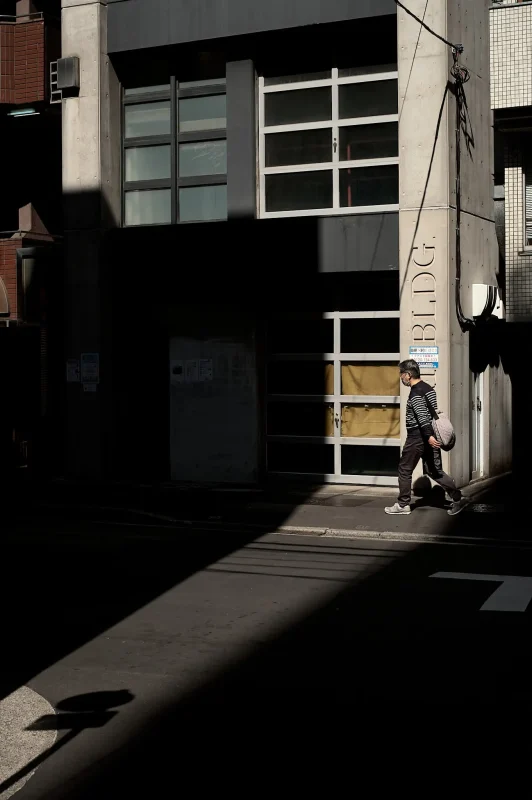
x,y
415,448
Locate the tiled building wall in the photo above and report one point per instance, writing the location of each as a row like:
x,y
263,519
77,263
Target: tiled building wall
x,y
8,271
518,261
511,55
7,63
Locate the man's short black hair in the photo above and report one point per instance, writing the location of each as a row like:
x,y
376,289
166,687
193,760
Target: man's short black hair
x,y
410,366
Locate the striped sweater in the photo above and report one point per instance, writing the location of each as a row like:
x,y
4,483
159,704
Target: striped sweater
x,y
418,416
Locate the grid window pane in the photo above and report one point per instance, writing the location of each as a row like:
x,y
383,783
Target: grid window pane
x,y
311,459
147,119
300,419
202,203
139,90
301,336
300,377
368,99
308,76
299,191
365,378
148,163
350,72
369,186
203,113
202,158
372,422
201,84
369,141
305,105
528,210
148,207
298,147
368,460
370,335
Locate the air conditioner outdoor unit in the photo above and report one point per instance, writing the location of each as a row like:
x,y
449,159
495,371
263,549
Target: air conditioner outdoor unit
x,y
487,301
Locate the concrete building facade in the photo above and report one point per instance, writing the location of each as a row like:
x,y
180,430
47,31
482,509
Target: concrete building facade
x,y
511,91
267,207
30,236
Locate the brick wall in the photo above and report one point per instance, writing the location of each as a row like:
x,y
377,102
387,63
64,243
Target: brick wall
x,y
518,261
22,64
7,64
29,61
8,271
511,55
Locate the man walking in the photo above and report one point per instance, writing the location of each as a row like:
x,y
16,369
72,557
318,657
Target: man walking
x,y
421,443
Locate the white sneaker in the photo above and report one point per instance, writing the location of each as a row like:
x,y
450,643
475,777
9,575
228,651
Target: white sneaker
x,y
458,506
397,509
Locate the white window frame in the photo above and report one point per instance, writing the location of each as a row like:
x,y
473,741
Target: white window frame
x,y
337,400
526,219
334,124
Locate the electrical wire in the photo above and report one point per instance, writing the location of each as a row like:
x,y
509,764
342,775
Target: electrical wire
x,y
424,24
461,76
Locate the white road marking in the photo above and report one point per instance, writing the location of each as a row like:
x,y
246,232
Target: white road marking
x,y
514,593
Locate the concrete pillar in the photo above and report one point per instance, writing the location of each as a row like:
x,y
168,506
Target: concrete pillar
x,y
91,186
427,219
241,140
25,7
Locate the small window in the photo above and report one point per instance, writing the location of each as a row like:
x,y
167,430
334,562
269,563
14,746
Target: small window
x,y
148,207
371,99
202,203
369,141
142,90
528,210
304,105
148,163
202,113
202,158
298,147
339,132
147,119
175,152
369,186
361,460
298,191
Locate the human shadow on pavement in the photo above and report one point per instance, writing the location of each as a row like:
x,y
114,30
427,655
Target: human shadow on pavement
x,y
428,495
75,715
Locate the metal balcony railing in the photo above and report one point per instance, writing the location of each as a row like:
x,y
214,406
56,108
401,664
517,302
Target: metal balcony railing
x,y
11,19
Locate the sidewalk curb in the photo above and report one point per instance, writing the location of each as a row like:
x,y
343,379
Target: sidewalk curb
x,y
226,526
398,536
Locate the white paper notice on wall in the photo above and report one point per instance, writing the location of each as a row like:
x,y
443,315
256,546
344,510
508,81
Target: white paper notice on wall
x,y
72,370
205,369
177,371
426,357
90,368
192,371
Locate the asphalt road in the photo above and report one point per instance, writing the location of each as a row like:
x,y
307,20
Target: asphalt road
x,y
166,653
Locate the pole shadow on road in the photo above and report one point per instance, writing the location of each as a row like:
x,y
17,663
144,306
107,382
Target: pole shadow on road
x,y
75,715
386,656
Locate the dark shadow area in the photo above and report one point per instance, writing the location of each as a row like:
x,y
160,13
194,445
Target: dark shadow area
x,y
379,656
126,294
130,294
136,291
82,712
